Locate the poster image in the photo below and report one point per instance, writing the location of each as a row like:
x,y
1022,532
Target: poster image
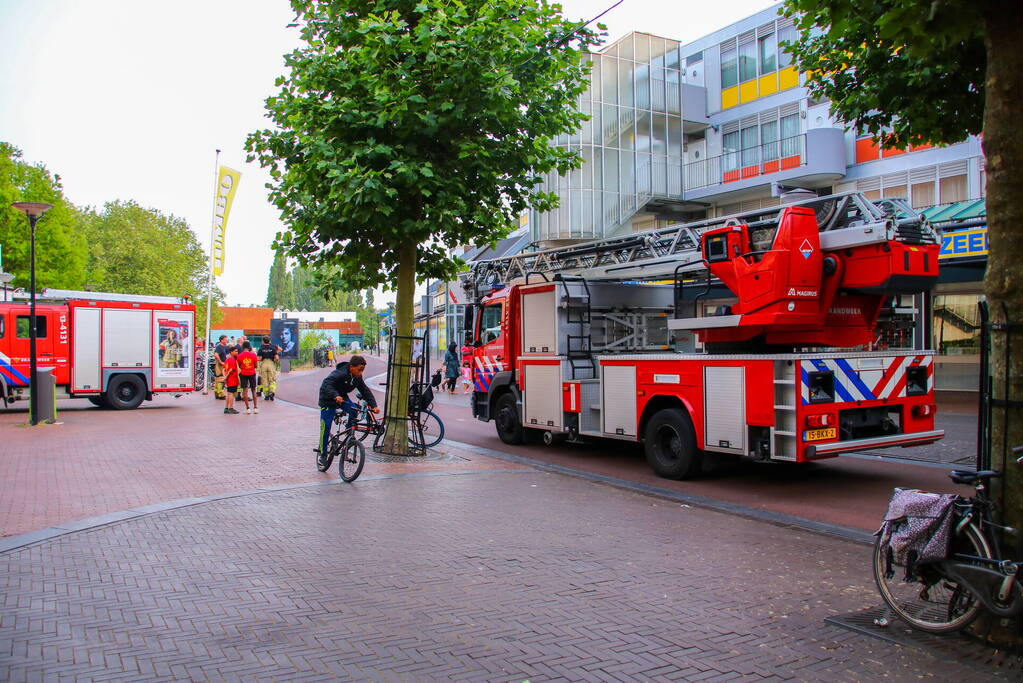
x,y
174,335
284,333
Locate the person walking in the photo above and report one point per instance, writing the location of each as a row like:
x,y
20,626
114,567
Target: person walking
x,y
452,367
268,357
247,362
231,379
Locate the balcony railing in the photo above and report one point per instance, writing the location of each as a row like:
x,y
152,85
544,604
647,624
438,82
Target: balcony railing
x,y
730,167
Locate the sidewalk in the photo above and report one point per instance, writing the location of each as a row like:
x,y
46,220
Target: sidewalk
x,y
462,567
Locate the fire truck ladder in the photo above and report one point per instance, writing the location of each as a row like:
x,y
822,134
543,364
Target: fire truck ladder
x,y
845,220
578,312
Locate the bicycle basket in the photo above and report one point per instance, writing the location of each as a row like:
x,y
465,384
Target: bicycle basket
x,y
420,397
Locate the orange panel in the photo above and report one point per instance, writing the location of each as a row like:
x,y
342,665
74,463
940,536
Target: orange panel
x,y
917,148
866,150
791,162
892,152
731,176
750,171
770,166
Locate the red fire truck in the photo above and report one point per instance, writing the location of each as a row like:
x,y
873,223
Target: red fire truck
x,y
614,339
114,349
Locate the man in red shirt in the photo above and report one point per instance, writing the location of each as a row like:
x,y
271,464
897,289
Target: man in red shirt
x,y
231,379
247,364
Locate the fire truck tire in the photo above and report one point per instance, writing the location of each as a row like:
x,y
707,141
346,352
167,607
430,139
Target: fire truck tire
x,y
670,444
506,418
99,401
126,392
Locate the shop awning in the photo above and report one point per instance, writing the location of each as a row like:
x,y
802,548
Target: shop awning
x,y
959,211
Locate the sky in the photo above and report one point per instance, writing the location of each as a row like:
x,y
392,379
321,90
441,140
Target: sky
x,y
130,99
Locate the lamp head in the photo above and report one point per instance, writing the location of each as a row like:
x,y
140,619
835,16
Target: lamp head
x,y
32,209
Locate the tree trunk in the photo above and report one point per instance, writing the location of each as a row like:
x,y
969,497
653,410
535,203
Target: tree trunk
x,y
395,439
1003,283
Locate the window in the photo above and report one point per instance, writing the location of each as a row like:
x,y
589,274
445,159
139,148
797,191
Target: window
x,y
750,147
790,135
729,68
769,139
952,189
2,320
747,62
786,34
730,150
768,54
895,191
922,195
490,323
23,332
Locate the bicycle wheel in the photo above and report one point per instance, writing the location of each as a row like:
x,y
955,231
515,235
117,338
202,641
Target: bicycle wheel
x,y
364,429
433,429
324,460
353,457
928,600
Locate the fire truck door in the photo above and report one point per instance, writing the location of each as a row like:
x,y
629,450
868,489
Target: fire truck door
x,y
491,353
21,344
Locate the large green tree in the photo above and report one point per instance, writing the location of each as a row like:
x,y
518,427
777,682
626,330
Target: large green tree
x,y
135,250
61,249
915,71
407,127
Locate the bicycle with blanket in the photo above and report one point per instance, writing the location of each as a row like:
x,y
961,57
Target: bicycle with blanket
x,y
937,559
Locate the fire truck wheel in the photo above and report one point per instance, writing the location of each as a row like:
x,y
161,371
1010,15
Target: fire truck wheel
x,y
126,392
506,418
670,444
98,401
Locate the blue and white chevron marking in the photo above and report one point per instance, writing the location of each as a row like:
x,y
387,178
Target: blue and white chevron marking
x,y
11,375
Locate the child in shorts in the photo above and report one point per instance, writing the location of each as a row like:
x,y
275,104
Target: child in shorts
x,y
466,378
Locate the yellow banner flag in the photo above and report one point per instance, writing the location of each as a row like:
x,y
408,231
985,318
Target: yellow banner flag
x,y
227,184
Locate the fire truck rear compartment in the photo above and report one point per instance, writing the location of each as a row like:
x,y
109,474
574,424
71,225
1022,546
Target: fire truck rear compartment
x,y
866,423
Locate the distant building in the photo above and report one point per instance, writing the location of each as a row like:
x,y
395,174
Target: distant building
x,y
254,322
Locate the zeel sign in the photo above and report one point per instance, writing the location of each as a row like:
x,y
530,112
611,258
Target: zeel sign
x,y
964,243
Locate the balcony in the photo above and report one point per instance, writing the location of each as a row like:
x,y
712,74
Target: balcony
x,y
818,156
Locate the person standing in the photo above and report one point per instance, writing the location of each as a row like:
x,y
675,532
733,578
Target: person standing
x,y
268,357
247,362
231,379
452,367
219,356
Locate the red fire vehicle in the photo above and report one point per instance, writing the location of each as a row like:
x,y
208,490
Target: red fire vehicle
x,y
114,349
582,342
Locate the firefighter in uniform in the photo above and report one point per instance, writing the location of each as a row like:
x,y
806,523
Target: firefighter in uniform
x,y
219,356
268,357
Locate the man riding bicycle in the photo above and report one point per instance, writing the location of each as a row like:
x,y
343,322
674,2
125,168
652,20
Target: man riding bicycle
x,y
334,396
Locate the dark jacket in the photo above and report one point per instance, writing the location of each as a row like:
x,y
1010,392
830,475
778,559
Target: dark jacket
x,y
340,383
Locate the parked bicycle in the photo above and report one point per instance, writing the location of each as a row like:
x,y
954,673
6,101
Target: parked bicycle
x,y
422,421
343,445
947,594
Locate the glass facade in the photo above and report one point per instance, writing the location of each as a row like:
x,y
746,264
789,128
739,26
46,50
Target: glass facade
x,y
631,146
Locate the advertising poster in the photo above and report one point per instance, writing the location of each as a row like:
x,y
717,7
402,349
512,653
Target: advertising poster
x,y
174,344
284,333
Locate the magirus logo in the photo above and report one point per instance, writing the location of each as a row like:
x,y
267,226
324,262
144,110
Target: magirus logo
x,y
802,292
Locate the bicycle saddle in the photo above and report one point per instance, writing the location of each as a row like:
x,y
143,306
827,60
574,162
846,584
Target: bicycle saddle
x,y
969,477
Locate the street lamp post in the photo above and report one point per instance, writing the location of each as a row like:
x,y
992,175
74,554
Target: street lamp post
x,y
33,210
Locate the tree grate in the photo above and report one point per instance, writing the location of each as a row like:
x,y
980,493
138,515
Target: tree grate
x,y
956,646
431,456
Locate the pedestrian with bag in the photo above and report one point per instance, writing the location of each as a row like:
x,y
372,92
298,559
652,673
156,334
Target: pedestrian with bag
x,y
452,367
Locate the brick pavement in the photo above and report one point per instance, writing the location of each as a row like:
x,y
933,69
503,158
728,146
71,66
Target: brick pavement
x,y
486,575
101,461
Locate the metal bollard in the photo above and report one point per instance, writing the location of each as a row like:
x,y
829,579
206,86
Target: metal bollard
x,y
46,400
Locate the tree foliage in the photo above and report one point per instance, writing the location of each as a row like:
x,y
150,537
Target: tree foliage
x,y
416,122
280,292
61,250
904,71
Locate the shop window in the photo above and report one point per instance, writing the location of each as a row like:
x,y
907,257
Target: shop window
x,y
747,62
729,68
768,54
952,189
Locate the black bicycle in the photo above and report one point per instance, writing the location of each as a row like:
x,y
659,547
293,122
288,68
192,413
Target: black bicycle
x,y
344,446
424,424
947,595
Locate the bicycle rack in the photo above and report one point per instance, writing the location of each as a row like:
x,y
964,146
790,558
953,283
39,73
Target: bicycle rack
x,y
418,372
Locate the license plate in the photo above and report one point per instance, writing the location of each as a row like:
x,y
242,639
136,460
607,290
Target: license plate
x,y
820,434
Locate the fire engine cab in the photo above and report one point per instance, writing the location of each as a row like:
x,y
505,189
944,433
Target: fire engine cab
x,y
116,350
611,339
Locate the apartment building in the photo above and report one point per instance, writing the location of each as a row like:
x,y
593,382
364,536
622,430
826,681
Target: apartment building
x,y
712,127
